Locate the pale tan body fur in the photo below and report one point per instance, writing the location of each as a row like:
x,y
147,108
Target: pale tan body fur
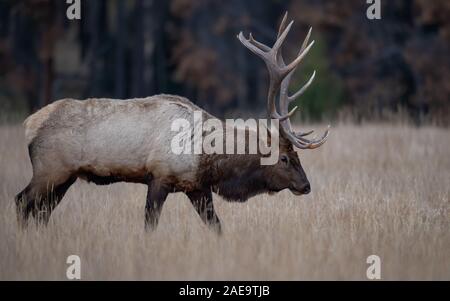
x,y
125,138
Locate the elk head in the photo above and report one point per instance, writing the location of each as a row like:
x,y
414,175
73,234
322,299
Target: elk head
x,y
288,172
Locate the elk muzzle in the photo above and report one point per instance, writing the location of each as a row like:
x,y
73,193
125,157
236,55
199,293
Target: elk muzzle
x,y
305,188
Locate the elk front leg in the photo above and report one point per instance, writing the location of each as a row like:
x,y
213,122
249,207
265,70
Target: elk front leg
x,y
156,196
203,204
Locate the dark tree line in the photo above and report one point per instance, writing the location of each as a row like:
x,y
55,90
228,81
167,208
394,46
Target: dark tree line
x,y
136,48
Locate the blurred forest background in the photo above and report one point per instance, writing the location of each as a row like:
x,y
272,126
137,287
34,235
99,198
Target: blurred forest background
x,y
366,69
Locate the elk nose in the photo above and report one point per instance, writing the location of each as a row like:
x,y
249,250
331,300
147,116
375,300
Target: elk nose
x,y
306,188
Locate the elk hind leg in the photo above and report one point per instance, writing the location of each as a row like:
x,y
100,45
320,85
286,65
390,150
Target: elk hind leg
x,y
40,200
203,204
25,203
53,197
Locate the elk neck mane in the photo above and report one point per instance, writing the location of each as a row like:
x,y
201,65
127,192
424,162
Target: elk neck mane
x,y
234,177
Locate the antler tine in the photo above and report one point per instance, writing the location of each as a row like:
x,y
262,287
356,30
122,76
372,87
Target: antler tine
x,y
303,143
247,43
260,45
295,141
285,99
300,135
289,68
303,89
277,72
269,55
280,40
282,25
298,139
319,142
305,42
264,47
280,76
303,48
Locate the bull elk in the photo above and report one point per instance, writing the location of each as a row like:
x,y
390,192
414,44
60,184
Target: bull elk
x,y
106,141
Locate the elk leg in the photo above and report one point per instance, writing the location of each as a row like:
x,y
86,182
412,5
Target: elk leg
x,y
54,196
156,196
203,204
25,203
40,205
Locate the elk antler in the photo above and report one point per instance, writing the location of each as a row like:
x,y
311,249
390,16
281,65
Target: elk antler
x,y
280,77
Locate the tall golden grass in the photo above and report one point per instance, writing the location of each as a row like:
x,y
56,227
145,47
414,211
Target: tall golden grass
x,y
376,189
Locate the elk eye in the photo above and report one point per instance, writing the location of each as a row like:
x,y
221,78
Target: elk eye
x,y
284,159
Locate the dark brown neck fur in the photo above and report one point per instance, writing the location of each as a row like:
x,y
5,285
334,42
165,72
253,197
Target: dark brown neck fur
x,y
234,177
237,177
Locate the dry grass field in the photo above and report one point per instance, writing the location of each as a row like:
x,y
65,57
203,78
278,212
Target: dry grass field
x,y
376,189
